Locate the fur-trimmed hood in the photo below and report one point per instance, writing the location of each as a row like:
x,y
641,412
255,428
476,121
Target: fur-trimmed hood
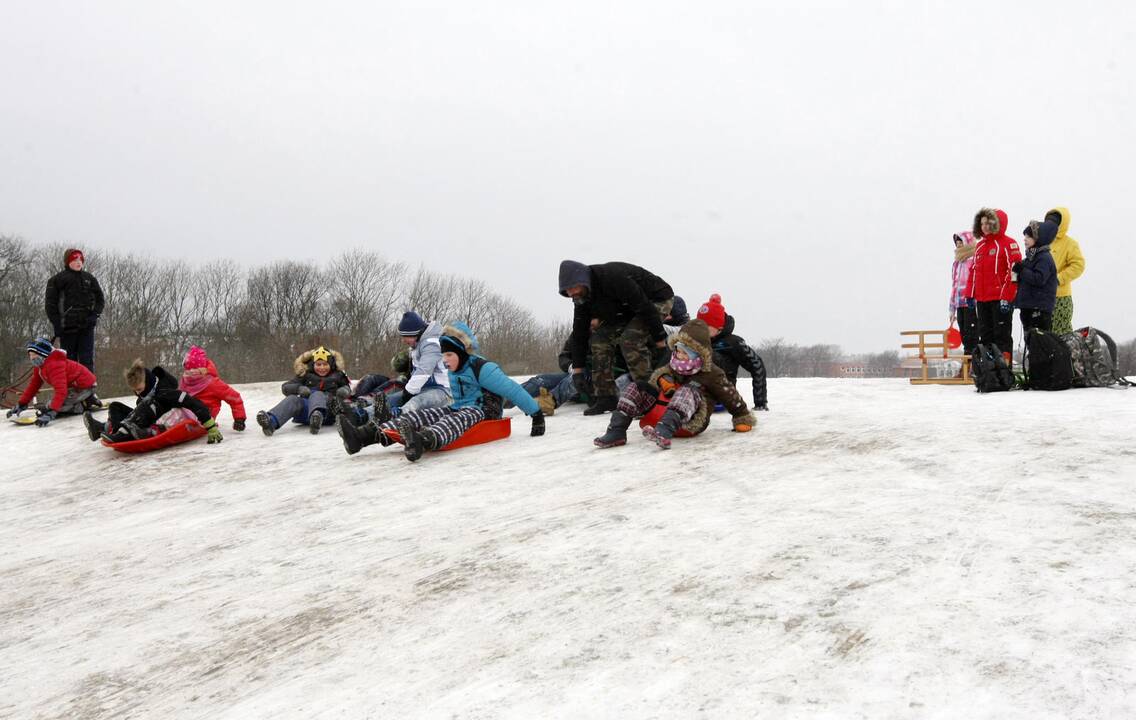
x,y
998,216
695,335
304,364
462,333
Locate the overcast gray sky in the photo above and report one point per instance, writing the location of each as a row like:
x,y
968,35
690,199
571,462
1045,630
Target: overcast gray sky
x,y
807,160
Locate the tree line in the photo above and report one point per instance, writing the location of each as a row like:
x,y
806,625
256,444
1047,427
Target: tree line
x,y
254,321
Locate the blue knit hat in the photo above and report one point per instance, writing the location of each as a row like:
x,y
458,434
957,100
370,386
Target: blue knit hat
x,y
40,346
411,324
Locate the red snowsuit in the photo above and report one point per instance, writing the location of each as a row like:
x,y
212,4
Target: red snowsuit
x,y
213,393
993,256
61,374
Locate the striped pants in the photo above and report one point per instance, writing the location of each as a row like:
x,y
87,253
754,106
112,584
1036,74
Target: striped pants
x,y
638,399
446,423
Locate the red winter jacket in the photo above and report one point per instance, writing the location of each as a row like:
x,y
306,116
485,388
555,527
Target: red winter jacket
x,y
61,374
993,256
217,391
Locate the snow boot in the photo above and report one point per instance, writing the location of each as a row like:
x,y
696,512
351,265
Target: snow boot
x,y
662,432
93,403
602,405
416,441
355,438
616,434
315,421
266,422
94,428
382,408
135,430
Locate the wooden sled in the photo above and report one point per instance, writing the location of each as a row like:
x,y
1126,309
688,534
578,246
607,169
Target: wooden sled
x,y
182,432
939,351
651,419
483,432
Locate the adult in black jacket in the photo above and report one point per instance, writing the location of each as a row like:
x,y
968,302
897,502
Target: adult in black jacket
x,y
73,302
158,393
616,304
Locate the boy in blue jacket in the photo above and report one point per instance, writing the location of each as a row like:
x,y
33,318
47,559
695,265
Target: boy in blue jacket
x,y
479,388
1037,277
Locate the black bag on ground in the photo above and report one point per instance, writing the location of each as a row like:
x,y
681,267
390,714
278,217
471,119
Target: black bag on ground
x,y
1048,362
1094,358
989,369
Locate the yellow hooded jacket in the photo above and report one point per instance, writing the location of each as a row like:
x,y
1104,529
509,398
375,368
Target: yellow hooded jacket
x,y
1066,255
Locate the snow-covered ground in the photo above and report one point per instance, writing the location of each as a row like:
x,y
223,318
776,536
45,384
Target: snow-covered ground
x,y
873,549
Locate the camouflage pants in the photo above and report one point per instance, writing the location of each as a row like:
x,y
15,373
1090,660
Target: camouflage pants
x,y
634,340
1063,315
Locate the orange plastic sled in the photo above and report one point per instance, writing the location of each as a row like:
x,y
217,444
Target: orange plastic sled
x,y
656,413
483,432
184,431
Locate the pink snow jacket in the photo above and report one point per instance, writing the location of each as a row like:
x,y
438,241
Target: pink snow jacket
x,y
960,270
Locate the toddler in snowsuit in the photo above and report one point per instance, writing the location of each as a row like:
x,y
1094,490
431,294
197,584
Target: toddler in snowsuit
x,y
73,384
202,381
160,404
1037,277
695,384
319,375
731,352
479,388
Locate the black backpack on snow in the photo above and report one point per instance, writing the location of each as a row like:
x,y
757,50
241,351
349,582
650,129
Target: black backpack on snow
x,y
1047,361
1094,358
989,369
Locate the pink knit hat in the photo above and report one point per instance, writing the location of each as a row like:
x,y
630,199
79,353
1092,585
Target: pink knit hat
x,y
195,358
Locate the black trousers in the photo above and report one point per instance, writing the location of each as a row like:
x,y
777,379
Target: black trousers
x,y
1036,319
80,347
995,327
968,327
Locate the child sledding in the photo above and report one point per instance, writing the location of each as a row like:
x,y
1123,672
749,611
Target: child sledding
x,y
694,384
202,381
319,376
478,388
73,384
160,405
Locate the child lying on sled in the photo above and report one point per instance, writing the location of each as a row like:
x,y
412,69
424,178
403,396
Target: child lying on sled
x,y
697,385
160,405
74,385
478,387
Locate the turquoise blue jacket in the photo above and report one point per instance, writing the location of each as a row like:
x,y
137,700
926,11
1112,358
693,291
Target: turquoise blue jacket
x,y
466,386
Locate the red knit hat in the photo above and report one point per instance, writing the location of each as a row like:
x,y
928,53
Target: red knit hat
x,y
74,253
712,313
195,358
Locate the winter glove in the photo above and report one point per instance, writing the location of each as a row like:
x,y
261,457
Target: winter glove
x,y
583,387
16,410
214,432
44,418
239,425
537,424
970,303
1005,307
304,391
1016,267
404,398
92,321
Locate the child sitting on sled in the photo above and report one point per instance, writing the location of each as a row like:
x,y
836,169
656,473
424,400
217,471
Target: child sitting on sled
x,y
697,384
319,376
73,384
202,381
160,405
478,387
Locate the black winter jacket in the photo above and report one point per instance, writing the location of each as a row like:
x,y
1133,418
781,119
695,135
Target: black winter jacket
x,y
617,293
73,301
162,394
732,352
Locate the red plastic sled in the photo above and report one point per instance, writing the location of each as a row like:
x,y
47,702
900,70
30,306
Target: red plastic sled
x,y
184,431
656,413
483,432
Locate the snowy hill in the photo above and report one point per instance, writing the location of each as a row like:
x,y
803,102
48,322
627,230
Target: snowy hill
x,y
873,549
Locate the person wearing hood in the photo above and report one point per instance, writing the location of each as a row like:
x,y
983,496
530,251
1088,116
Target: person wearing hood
x,y
693,382
1070,263
1037,277
73,384
479,389
962,295
159,405
202,381
616,304
731,351
73,301
991,283
319,375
